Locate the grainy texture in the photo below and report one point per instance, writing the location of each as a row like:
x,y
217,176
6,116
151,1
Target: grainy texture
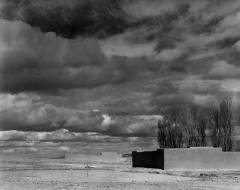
x,y
76,179
73,174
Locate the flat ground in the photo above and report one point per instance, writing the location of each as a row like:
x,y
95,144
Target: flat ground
x,y
92,172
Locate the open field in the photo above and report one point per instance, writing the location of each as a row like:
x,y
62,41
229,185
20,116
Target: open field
x,y
93,172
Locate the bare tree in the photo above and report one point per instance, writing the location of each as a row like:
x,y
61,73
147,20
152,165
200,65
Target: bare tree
x,y
203,124
169,134
237,116
214,119
226,117
193,122
182,126
186,125
197,126
221,118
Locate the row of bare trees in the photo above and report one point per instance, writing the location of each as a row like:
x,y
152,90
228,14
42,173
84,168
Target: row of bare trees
x,y
191,125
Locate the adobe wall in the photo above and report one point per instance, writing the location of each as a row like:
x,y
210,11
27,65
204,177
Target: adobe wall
x,y
236,138
187,158
200,158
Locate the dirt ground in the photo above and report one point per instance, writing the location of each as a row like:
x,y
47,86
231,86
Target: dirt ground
x,y
62,174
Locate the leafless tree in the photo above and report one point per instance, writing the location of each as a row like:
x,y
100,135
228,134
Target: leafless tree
x,y
237,116
198,125
186,125
182,126
226,117
214,119
221,118
169,135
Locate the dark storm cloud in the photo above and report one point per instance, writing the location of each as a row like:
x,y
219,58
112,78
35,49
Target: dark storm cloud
x,y
44,62
188,36
99,18
69,18
146,20
171,25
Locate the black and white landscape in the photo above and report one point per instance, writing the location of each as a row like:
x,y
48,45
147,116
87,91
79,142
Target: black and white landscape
x,y
82,79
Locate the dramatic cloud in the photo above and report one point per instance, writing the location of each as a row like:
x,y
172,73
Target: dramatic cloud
x,y
63,141
69,18
43,119
102,71
44,62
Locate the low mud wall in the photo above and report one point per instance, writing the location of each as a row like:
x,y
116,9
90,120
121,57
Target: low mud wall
x,y
205,158
187,158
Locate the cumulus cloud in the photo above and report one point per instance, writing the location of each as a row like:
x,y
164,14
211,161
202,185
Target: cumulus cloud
x,y
169,54
48,122
238,46
222,69
192,90
133,126
10,150
18,101
209,90
59,137
56,122
107,121
33,116
232,85
231,23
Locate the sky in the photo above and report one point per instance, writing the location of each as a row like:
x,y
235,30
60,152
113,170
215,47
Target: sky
x,y
79,76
